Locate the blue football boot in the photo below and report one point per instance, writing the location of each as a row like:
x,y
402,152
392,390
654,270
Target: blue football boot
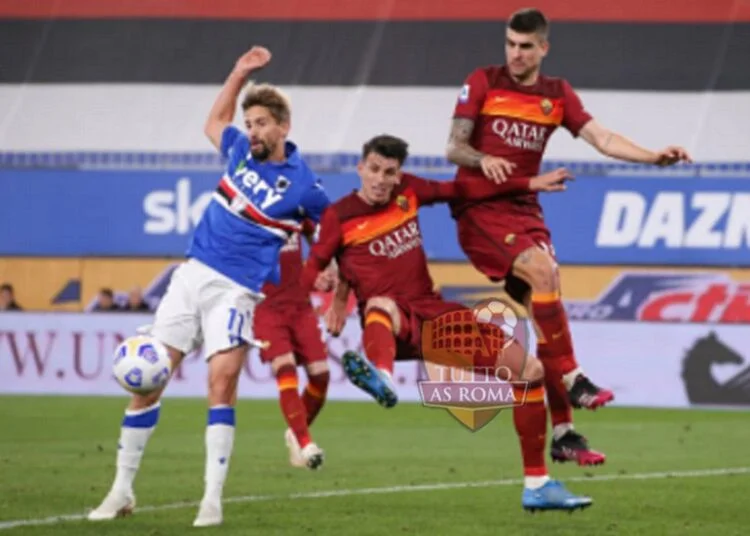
x,y
374,382
553,496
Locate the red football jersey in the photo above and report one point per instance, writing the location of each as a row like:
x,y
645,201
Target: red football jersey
x,y
289,290
515,122
379,248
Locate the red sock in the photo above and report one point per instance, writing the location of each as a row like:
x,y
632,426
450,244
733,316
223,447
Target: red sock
x,y
560,408
378,338
550,317
291,404
530,420
314,395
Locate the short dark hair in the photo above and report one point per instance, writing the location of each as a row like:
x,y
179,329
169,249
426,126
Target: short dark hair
x,y
529,20
7,287
387,146
269,97
107,292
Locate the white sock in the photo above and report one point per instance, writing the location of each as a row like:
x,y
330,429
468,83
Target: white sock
x,y
137,427
560,430
219,443
570,378
535,482
387,374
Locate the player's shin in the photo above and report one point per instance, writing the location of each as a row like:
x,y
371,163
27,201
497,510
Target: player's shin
x,y
530,420
560,408
137,427
379,341
291,404
314,395
556,342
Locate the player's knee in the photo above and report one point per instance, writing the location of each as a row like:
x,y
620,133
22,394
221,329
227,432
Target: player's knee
x,y
282,361
533,370
388,306
139,402
317,384
538,269
317,368
223,375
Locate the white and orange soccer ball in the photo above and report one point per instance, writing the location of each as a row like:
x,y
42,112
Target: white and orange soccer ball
x,y
500,314
141,364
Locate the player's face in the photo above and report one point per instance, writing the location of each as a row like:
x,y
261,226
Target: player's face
x,y
524,53
267,136
379,175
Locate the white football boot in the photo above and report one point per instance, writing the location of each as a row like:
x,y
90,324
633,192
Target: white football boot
x,y
295,453
313,456
115,504
209,513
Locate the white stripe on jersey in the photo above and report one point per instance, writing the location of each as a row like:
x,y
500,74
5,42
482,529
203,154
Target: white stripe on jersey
x,y
239,192
273,230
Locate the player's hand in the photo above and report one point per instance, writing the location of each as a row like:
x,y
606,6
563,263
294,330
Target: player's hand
x,y
496,168
335,318
326,280
554,181
252,60
671,155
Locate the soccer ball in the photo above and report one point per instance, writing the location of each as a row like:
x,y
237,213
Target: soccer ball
x,y
500,314
142,365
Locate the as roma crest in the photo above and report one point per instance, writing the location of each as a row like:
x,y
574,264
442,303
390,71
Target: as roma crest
x,y
546,106
402,202
469,359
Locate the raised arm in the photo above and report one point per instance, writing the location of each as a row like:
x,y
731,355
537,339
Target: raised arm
x,y
222,112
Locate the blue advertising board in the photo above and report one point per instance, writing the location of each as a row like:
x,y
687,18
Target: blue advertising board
x,y
599,220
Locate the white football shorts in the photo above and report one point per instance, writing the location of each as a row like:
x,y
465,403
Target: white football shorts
x,y
202,306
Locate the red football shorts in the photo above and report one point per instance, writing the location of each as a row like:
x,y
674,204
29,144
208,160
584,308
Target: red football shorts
x,y
492,239
453,327
413,313
289,330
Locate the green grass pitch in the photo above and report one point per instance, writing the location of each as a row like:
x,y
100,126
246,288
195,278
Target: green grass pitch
x,y
410,470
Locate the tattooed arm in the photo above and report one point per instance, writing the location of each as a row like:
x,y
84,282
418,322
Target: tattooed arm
x,y
460,152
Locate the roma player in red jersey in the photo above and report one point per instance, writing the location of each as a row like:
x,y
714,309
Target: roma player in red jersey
x,y
503,119
375,237
287,322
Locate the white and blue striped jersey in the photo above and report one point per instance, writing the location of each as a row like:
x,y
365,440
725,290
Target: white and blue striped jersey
x,y
254,210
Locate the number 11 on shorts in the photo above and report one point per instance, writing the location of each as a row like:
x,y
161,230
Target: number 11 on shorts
x,y
236,323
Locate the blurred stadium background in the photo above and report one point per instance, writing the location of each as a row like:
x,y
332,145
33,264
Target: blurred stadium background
x,y
104,170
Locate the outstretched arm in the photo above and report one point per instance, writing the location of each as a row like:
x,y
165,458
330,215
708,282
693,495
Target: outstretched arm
x,y
430,191
222,111
618,146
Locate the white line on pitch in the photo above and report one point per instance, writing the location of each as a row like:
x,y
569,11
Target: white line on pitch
x,y
5,525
